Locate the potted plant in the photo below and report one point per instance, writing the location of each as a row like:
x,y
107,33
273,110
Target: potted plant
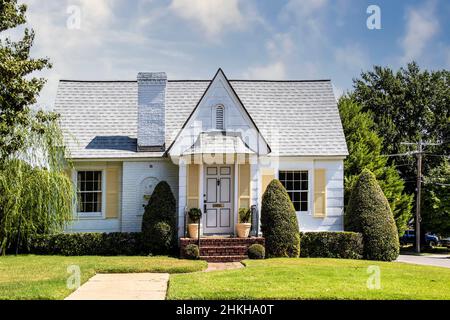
x,y
194,217
244,225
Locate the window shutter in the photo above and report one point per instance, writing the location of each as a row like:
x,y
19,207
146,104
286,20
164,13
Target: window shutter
x,y
193,186
320,194
112,192
266,178
244,186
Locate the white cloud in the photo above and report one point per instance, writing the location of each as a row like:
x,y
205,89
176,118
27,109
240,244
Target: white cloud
x,y
351,57
213,17
273,71
421,26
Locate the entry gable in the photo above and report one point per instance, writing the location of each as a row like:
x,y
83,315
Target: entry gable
x,y
219,110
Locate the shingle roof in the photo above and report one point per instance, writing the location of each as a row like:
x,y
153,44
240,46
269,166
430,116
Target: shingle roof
x,y
297,118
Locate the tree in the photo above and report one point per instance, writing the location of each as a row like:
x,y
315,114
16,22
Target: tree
x,y
159,220
365,146
436,217
408,105
36,195
18,90
369,213
279,223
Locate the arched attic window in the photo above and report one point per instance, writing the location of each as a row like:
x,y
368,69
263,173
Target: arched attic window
x,y
220,117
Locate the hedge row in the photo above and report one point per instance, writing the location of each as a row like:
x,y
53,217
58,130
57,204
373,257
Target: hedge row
x,y
80,244
345,245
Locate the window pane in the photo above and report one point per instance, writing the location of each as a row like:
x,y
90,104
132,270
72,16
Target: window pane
x,y
304,206
304,185
282,175
297,206
304,175
296,175
304,196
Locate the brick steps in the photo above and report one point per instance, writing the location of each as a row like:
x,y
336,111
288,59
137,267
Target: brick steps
x,y
223,258
216,249
223,250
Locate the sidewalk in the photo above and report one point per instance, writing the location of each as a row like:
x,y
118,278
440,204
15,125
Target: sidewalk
x,y
123,286
437,260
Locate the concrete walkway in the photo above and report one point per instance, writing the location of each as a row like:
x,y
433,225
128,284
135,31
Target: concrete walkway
x,y
123,286
436,260
219,266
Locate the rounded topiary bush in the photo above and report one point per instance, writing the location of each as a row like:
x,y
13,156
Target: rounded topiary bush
x,y
192,251
279,223
159,220
256,251
369,213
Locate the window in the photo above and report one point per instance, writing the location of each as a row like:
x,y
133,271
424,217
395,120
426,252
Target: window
x,y
220,118
89,191
296,184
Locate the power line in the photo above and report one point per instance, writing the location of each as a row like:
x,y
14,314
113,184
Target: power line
x,y
419,152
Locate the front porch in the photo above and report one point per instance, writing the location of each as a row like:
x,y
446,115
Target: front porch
x,y
221,249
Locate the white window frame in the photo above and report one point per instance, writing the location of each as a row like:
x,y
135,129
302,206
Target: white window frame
x,y
308,190
91,215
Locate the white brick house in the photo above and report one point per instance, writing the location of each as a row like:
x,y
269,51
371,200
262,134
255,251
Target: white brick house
x,y
218,143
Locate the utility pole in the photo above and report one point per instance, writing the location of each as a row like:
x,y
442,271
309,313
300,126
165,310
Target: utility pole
x,y
420,144
419,189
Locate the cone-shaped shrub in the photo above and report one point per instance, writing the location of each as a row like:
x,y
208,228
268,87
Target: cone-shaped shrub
x,y
279,223
159,220
368,212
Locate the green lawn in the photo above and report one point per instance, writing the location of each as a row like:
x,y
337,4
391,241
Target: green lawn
x,y
44,277
313,279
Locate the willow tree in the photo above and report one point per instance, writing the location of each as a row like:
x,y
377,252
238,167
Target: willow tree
x,y
36,196
36,193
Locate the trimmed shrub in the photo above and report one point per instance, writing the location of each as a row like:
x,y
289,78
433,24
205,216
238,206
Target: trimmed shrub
x,y
192,251
279,222
368,212
159,220
344,245
81,244
256,251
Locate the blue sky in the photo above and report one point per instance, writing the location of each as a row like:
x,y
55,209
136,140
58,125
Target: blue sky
x,y
249,39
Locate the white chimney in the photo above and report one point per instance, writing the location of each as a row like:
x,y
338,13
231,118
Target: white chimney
x,y
151,111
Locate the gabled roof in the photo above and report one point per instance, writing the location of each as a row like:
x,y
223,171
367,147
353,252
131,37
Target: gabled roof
x,y
218,74
297,118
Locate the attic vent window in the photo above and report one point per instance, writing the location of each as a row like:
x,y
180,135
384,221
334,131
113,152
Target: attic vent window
x,y
219,118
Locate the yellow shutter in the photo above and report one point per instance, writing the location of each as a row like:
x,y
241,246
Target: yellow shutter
x,y
112,191
193,186
244,186
320,194
267,176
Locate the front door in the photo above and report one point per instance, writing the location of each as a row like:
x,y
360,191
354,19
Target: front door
x,y
218,217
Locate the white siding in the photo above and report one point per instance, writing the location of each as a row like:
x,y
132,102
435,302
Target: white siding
x,y
94,225
135,175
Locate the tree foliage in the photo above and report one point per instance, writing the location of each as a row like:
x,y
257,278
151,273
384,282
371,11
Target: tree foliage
x,y
369,213
408,105
436,217
36,195
18,89
279,223
365,145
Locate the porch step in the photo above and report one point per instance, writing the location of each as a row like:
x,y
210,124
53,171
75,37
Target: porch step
x,y
223,250
224,258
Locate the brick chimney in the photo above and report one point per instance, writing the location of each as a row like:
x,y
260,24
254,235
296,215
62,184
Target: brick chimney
x,y
151,111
